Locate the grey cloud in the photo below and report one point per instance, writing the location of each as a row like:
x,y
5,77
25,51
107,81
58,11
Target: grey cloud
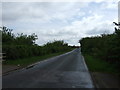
x,y
48,20
107,29
58,33
13,11
97,31
17,11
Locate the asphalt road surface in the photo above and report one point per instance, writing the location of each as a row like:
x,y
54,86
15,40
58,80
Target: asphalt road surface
x,y
65,71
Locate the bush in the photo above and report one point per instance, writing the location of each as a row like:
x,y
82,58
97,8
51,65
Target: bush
x,y
105,47
23,46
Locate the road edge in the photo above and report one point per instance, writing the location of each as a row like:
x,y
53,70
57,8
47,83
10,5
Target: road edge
x,y
92,78
31,65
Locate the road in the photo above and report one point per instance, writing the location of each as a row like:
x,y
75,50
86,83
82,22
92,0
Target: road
x,y
65,71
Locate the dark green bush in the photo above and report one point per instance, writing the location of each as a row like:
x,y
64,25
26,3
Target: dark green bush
x,y
105,47
23,46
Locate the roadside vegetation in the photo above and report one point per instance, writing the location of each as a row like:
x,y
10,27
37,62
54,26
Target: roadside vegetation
x,y
31,60
21,48
102,53
98,65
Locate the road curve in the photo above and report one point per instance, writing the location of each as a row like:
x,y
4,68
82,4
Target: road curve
x,y
65,71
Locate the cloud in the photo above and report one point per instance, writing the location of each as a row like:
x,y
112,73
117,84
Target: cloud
x,y
109,5
91,25
39,12
59,1
68,21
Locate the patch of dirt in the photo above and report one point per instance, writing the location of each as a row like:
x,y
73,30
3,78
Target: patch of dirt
x,y
105,80
9,68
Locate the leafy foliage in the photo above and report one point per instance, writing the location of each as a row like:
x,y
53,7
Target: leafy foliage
x,y
106,47
22,46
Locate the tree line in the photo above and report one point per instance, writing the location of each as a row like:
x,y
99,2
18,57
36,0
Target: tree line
x,y
22,45
105,47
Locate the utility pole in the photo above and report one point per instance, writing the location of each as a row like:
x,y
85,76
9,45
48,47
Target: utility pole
x,y
119,15
118,24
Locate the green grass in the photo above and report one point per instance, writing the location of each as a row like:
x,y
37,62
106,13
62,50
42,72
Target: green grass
x,y
97,65
30,60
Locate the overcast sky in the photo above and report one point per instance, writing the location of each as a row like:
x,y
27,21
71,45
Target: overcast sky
x,y
68,21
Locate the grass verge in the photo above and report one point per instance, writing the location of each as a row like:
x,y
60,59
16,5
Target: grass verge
x,y
30,60
97,65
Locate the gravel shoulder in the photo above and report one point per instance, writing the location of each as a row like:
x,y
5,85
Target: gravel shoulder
x,y
9,68
105,80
